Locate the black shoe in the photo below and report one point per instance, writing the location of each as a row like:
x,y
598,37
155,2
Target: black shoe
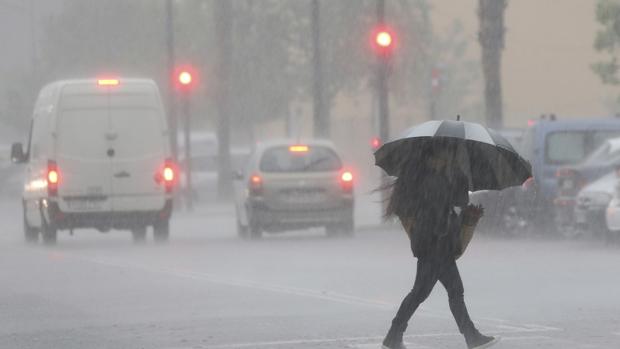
x,y
399,345
393,340
480,341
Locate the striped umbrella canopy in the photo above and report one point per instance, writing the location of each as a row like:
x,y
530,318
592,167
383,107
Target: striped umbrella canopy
x,y
486,157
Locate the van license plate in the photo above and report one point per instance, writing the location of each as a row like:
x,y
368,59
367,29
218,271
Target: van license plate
x,y
84,205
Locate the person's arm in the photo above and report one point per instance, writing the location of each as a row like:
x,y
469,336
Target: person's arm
x,y
461,194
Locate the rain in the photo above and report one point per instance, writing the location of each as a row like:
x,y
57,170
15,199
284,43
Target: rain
x,y
281,173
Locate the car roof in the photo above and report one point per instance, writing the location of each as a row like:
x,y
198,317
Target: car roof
x,y
578,124
614,143
261,146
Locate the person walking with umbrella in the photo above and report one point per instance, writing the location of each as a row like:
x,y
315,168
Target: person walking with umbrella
x,y
435,165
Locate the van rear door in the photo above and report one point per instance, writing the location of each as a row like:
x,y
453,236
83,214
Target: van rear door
x,y
140,147
83,163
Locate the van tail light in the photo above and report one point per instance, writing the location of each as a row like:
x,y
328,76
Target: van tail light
x,y
167,175
108,82
346,181
53,178
565,172
569,180
256,185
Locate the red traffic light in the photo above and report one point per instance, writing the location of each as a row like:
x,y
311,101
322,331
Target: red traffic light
x,y
184,78
383,40
375,143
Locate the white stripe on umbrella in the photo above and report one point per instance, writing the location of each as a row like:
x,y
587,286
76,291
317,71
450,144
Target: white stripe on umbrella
x,y
424,130
478,133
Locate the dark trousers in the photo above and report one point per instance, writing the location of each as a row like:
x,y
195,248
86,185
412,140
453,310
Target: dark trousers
x,y
429,272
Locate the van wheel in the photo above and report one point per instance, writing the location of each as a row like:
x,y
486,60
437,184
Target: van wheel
x,y
161,231
49,234
31,235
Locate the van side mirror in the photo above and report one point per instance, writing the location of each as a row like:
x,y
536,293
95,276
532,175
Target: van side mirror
x,y
17,153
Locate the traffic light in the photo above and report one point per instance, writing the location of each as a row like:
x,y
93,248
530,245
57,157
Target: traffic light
x,y
185,78
383,41
375,143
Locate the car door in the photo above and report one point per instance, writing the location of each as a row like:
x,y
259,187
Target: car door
x,y
137,153
82,159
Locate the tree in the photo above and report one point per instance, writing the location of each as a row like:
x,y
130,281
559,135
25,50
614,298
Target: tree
x,y
607,41
491,38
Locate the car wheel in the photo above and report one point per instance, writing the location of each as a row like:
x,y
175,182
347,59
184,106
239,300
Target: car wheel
x,y
341,229
31,235
255,231
348,228
161,231
332,230
139,235
242,230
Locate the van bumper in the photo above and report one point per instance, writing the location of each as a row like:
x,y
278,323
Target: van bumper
x,y
104,221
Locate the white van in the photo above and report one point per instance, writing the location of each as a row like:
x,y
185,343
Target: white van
x,y
98,156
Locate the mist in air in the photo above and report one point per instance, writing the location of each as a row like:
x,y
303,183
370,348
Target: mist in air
x,y
250,174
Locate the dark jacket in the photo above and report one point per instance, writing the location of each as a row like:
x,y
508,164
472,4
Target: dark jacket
x,y
436,231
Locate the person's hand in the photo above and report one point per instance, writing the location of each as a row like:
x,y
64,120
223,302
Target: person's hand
x,y
472,214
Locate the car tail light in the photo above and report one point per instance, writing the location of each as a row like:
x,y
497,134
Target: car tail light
x,y
53,178
346,181
256,185
298,148
167,175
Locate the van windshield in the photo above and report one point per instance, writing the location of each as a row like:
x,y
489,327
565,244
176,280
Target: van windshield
x,y
315,159
572,147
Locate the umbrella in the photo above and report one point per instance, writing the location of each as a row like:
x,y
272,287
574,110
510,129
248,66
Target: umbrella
x,y
486,157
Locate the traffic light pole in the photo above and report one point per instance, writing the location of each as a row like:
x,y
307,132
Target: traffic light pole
x,y
321,121
383,95
172,105
189,190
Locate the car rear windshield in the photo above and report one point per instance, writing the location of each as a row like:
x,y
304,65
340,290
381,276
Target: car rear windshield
x,y
572,147
315,159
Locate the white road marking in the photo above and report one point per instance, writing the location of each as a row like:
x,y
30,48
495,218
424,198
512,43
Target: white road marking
x,y
375,341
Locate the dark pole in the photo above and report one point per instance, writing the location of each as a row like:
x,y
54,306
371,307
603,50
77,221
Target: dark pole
x,y
223,31
189,191
383,97
321,122
33,43
172,107
382,87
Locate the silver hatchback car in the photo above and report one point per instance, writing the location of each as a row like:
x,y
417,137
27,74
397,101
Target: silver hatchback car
x,y
289,185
